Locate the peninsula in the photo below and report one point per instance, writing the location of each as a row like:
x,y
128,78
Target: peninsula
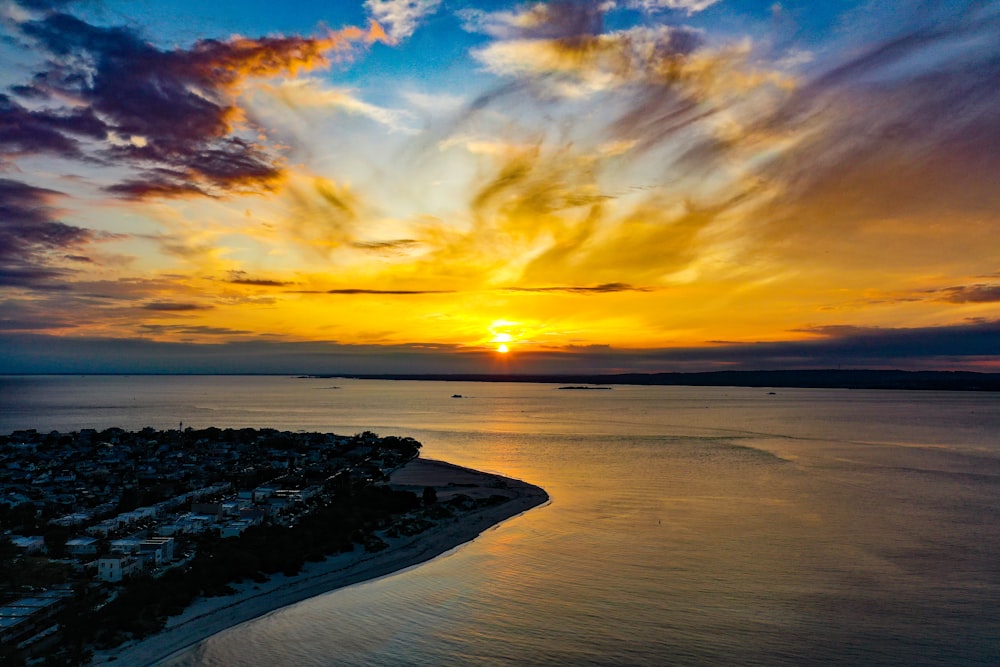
x,y
244,522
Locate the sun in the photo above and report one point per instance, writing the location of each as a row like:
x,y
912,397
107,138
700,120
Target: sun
x,y
502,336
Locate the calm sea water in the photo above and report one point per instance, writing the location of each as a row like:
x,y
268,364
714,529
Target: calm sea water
x,y
687,525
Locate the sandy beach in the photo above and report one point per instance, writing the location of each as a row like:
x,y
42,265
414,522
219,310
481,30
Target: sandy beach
x,y
208,616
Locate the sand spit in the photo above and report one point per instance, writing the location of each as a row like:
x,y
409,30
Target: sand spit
x,y
208,616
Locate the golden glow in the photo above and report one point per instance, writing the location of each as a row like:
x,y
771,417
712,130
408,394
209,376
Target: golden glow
x,y
563,221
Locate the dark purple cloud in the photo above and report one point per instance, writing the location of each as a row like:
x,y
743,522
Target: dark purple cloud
x,y
196,330
396,292
171,113
23,131
259,282
972,294
174,306
243,278
30,236
942,348
386,246
605,288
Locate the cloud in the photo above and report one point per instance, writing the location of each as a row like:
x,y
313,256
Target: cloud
x,y
900,140
241,278
32,241
323,215
891,143
172,114
389,292
539,20
606,288
200,330
307,94
402,16
872,343
129,355
24,131
174,306
434,103
980,293
395,246
942,348
564,47
689,6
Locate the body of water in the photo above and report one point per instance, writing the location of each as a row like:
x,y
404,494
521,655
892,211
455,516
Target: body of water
x,y
686,526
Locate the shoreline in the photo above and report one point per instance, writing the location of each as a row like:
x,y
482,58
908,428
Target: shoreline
x,y
209,616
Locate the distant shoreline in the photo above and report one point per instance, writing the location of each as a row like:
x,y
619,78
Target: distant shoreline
x,y
210,616
804,379
778,379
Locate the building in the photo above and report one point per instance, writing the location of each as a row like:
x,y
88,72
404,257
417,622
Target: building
x,y
116,568
81,547
126,545
29,545
21,619
165,545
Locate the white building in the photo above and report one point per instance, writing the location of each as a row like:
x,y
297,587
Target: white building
x,y
116,568
164,544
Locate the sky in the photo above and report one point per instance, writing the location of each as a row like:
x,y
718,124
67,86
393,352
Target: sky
x,y
436,186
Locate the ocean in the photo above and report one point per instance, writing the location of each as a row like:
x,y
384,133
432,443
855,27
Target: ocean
x,y
686,526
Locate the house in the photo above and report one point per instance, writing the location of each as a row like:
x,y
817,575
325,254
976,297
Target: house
x,y
80,547
165,545
126,545
235,528
116,568
157,551
29,545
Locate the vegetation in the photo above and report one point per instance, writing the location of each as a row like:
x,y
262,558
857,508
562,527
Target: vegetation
x,y
144,604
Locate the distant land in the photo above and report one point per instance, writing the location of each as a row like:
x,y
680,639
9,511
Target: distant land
x,y
815,379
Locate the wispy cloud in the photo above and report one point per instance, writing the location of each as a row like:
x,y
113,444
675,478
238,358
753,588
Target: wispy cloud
x,y
606,288
197,330
390,292
394,246
175,307
314,96
242,278
689,6
402,17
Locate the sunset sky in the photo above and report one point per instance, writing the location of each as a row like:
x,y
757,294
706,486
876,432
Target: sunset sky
x,y
443,186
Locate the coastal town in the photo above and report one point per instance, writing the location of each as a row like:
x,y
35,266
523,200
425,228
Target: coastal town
x,y
87,514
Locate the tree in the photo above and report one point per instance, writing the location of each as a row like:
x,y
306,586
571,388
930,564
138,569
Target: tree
x,y
55,541
430,495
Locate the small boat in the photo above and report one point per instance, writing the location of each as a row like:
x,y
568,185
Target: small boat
x,y
456,396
